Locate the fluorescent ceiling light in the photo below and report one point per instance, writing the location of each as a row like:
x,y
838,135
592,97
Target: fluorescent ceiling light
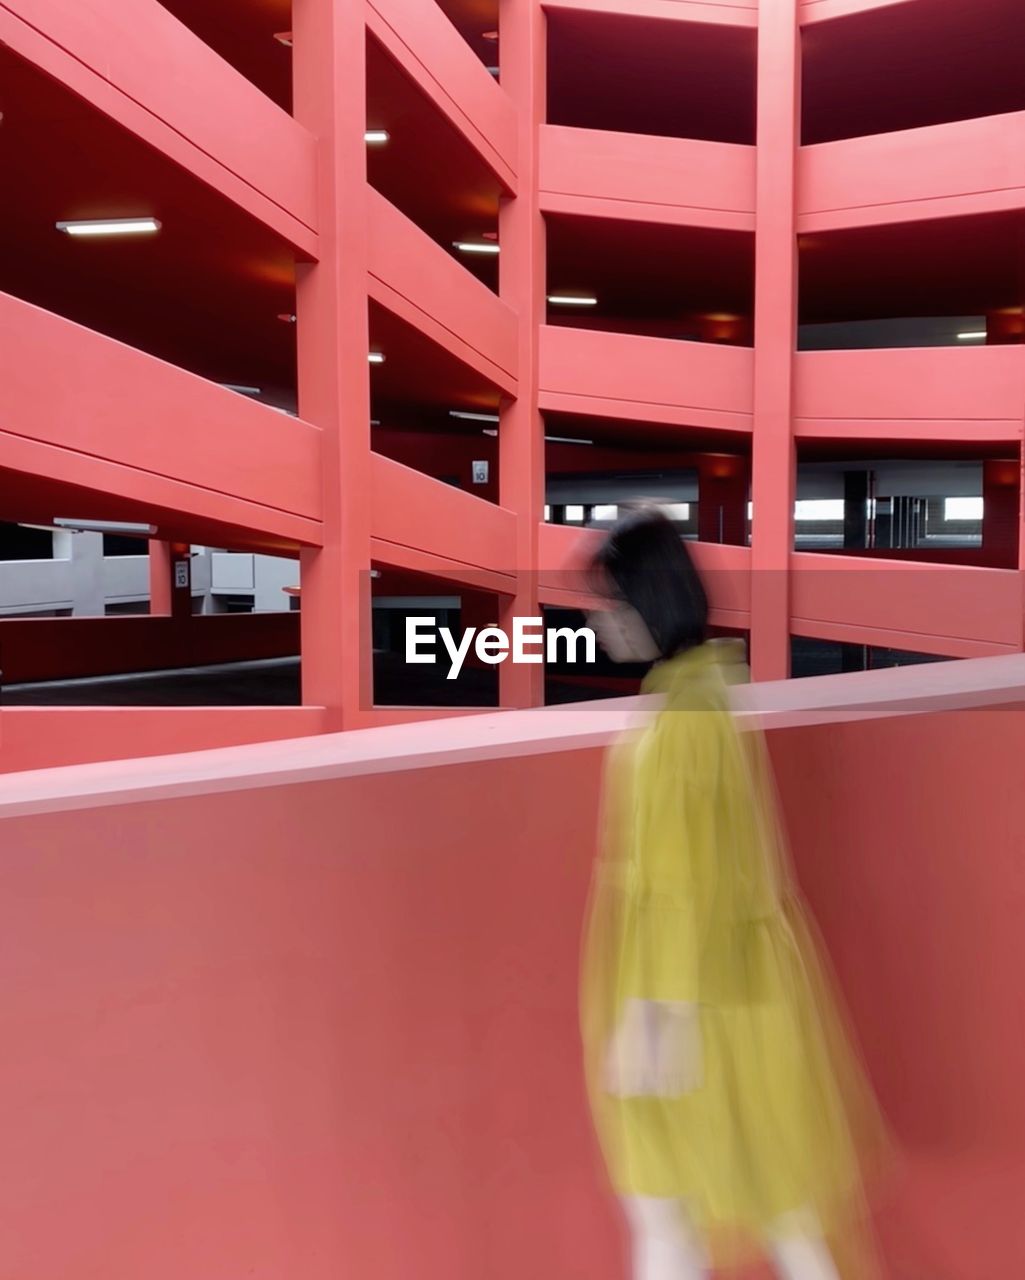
x,y
569,300
566,440
241,389
284,37
376,137
489,35
376,357
287,316
109,227
491,431
106,526
973,335
473,417
474,246
375,422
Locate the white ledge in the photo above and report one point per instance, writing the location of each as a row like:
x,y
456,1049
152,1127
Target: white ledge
x,y
898,691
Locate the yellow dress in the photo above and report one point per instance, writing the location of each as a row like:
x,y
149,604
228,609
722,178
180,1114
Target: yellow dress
x,y
691,902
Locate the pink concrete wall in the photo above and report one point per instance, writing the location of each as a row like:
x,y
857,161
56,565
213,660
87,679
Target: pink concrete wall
x,y
51,737
329,1027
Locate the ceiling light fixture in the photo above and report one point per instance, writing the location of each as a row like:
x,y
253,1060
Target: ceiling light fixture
x,y
284,37
376,137
475,246
109,227
241,389
490,431
473,417
973,335
572,300
376,357
566,440
489,35
288,317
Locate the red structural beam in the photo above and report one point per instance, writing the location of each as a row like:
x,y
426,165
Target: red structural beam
x,y
417,511
433,53
424,285
129,425
221,128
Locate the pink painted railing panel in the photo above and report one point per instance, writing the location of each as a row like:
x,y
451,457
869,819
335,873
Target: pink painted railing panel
x,y
937,384
414,510
117,405
618,374
669,179
933,608
53,737
416,277
824,10
859,180
730,13
564,551
432,51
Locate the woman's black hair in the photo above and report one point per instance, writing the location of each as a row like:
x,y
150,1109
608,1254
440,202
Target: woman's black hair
x,y
644,562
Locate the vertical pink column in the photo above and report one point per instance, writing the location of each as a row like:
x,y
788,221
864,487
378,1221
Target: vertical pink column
x,y
773,461
160,577
333,338
521,466
166,598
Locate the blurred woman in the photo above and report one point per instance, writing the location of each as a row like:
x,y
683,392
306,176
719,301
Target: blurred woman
x,y
730,1108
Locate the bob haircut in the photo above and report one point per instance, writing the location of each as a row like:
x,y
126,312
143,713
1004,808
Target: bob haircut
x,y
644,562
